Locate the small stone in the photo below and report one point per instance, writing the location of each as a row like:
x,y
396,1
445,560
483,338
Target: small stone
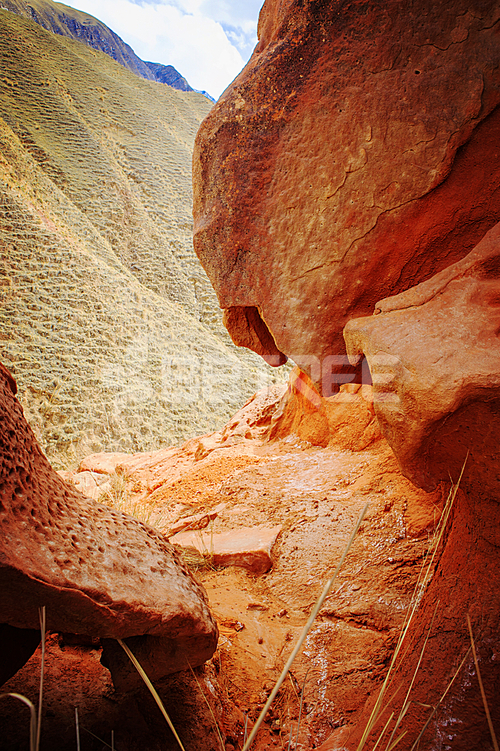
x,y
248,547
104,463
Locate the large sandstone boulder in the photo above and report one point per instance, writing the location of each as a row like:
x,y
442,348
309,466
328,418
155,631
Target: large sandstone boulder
x,y
434,357
342,164
97,571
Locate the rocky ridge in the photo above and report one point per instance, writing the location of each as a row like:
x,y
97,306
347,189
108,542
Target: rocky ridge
x,y
66,21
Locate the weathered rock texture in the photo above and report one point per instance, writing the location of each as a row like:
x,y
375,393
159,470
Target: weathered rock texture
x,y
355,157
345,162
74,676
238,480
108,321
434,356
96,571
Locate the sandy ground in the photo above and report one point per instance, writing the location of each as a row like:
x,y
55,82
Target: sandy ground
x,y
315,494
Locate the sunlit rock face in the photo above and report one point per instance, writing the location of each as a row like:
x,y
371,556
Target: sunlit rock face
x,y
355,156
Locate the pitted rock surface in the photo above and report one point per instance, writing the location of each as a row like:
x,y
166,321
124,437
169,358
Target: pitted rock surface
x,y
343,163
96,571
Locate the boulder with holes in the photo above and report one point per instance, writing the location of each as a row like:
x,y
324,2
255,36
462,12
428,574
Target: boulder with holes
x,y
96,571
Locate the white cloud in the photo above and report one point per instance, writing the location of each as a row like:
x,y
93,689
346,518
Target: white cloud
x,y
207,41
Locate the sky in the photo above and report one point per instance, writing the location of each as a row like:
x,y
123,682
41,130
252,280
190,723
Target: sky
x,y
207,41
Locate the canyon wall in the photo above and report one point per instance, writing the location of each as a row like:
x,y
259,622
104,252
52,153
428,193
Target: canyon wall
x,y
347,185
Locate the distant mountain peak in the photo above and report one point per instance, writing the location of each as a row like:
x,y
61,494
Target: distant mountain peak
x,y
169,75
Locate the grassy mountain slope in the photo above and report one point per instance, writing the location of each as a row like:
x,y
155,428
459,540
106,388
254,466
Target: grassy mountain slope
x,y
106,318
66,21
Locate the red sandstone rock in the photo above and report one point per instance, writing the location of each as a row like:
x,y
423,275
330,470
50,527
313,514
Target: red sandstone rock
x,y
248,547
343,165
344,162
435,360
90,484
103,463
197,521
346,419
96,570
315,494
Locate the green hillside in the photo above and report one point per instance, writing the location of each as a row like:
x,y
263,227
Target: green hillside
x,y
108,322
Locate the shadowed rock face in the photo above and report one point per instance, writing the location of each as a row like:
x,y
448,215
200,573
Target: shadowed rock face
x,y
344,161
97,571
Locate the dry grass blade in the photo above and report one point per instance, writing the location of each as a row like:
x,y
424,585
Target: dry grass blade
x,y
77,727
435,709
42,617
419,591
245,732
304,633
216,725
481,687
32,716
400,738
135,662
300,707
383,731
406,703
100,739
